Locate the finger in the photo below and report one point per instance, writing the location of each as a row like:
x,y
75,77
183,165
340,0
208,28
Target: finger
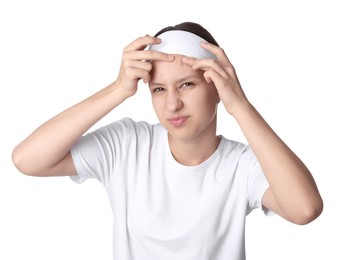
x,y
218,52
137,74
148,55
138,64
147,78
142,42
205,64
138,70
214,76
188,60
209,64
207,77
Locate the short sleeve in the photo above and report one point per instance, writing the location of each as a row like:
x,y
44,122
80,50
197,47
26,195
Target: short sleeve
x,y
257,183
99,154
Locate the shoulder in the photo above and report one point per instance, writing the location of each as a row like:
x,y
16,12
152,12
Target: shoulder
x,y
237,151
139,127
129,129
233,147
127,125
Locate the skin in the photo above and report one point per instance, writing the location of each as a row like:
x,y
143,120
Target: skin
x,y
293,193
180,93
185,94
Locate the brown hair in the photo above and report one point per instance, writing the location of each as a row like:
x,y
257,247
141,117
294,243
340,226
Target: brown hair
x,y
192,28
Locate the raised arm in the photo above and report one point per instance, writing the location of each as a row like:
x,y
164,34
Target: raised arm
x,y
293,193
46,152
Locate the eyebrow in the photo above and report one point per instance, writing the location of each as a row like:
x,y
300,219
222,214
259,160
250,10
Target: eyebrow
x,y
183,79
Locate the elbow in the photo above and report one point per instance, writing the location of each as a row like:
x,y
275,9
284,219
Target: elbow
x,y
21,162
309,212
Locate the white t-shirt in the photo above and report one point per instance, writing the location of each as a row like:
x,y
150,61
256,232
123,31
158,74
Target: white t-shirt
x,y
164,210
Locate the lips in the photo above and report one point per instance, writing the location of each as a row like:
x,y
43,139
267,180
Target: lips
x,y
178,121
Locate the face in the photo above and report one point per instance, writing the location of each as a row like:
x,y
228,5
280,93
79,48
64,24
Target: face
x,y
185,104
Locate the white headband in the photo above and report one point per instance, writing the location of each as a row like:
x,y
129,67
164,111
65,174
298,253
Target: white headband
x,y
184,43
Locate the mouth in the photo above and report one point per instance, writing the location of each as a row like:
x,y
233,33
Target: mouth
x,y
178,121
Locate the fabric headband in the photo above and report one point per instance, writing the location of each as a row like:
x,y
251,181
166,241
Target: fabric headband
x,y
182,42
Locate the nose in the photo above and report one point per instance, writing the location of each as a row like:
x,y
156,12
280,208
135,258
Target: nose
x,y
173,100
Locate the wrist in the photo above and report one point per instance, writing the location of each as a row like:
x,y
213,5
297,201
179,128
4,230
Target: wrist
x,y
121,92
239,108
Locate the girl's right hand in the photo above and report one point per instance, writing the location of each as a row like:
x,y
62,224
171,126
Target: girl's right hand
x,y
136,63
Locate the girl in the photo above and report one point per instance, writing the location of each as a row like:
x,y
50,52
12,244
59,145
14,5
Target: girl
x,y
177,190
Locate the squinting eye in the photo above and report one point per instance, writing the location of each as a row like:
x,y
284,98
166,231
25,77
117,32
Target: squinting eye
x,y
187,84
157,89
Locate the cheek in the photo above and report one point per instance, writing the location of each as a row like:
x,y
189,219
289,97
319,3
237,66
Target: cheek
x,y
157,105
207,103
204,98
154,103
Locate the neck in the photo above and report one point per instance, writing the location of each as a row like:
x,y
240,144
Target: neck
x,y
193,152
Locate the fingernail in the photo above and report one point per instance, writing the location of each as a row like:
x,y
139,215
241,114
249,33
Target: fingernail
x,y
170,57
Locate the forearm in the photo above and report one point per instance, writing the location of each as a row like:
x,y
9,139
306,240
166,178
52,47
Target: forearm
x,y
291,183
49,143
292,187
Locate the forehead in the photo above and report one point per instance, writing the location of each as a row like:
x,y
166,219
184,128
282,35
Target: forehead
x,y
173,69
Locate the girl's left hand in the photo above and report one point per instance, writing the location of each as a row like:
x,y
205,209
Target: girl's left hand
x,y
222,73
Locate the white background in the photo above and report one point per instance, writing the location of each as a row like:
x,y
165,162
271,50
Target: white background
x,y
56,53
